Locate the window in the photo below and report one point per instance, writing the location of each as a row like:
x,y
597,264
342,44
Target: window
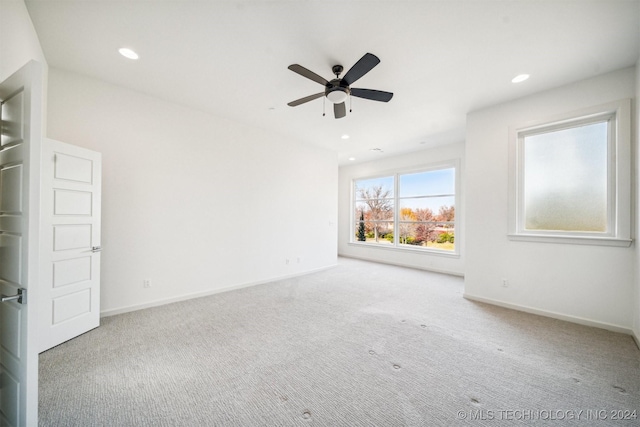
x,y
570,179
414,210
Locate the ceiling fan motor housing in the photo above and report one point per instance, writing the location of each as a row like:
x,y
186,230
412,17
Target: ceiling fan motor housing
x,y
336,91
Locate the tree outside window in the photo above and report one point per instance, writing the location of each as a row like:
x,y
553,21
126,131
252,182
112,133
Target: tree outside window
x,y
425,214
374,202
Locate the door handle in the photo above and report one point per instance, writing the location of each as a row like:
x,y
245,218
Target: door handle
x,y
96,249
20,297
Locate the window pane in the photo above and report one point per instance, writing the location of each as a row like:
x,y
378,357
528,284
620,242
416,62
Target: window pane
x,y
374,188
374,201
437,182
375,232
361,207
433,235
428,209
565,179
374,210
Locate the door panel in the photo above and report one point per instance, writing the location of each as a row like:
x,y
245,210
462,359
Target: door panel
x,y
69,237
73,168
13,119
10,257
11,178
70,306
70,230
72,202
11,320
20,116
71,271
11,385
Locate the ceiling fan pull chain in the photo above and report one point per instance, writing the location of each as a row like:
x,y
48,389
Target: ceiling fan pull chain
x,y
323,105
350,103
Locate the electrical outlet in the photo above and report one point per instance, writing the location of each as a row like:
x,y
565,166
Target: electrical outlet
x,y
505,283
286,261
298,260
146,283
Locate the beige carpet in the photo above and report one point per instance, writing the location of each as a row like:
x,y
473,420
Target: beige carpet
x,y
361,344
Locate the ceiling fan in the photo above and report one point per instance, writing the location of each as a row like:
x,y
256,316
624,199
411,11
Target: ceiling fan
x,y
339,89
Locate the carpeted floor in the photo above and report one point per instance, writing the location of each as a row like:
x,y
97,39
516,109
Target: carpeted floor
x,y
361,344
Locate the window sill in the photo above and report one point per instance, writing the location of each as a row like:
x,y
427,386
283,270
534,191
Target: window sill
x,y
426,251
572,240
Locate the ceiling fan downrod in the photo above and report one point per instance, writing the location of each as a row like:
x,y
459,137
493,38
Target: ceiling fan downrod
x,y
337,70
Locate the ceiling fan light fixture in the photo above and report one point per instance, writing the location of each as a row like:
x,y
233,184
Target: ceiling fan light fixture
x,y
337,96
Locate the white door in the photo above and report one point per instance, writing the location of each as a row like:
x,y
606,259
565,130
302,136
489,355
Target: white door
x,y
20,114
70,242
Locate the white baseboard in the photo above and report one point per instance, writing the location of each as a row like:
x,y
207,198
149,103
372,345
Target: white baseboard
x,y
554,315
636,338
159,302
406,265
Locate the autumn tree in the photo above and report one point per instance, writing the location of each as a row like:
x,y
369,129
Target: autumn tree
x,y
426,226
406,229
380,206
446,213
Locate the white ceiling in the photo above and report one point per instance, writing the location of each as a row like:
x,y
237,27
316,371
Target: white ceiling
x,y
441,59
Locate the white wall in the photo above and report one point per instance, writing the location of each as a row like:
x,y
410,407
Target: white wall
x,y
19,44
18,39
423,260
587,284
194,202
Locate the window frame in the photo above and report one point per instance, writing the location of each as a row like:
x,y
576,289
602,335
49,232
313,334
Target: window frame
x,y
618,116
396,246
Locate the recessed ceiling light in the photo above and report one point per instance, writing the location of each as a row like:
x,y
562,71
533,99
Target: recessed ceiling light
x,y
345,136
128,53
351,159
520,78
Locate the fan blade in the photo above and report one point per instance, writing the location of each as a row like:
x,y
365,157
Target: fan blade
x,y
374,95
339,110
305,99
308,74
362,67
